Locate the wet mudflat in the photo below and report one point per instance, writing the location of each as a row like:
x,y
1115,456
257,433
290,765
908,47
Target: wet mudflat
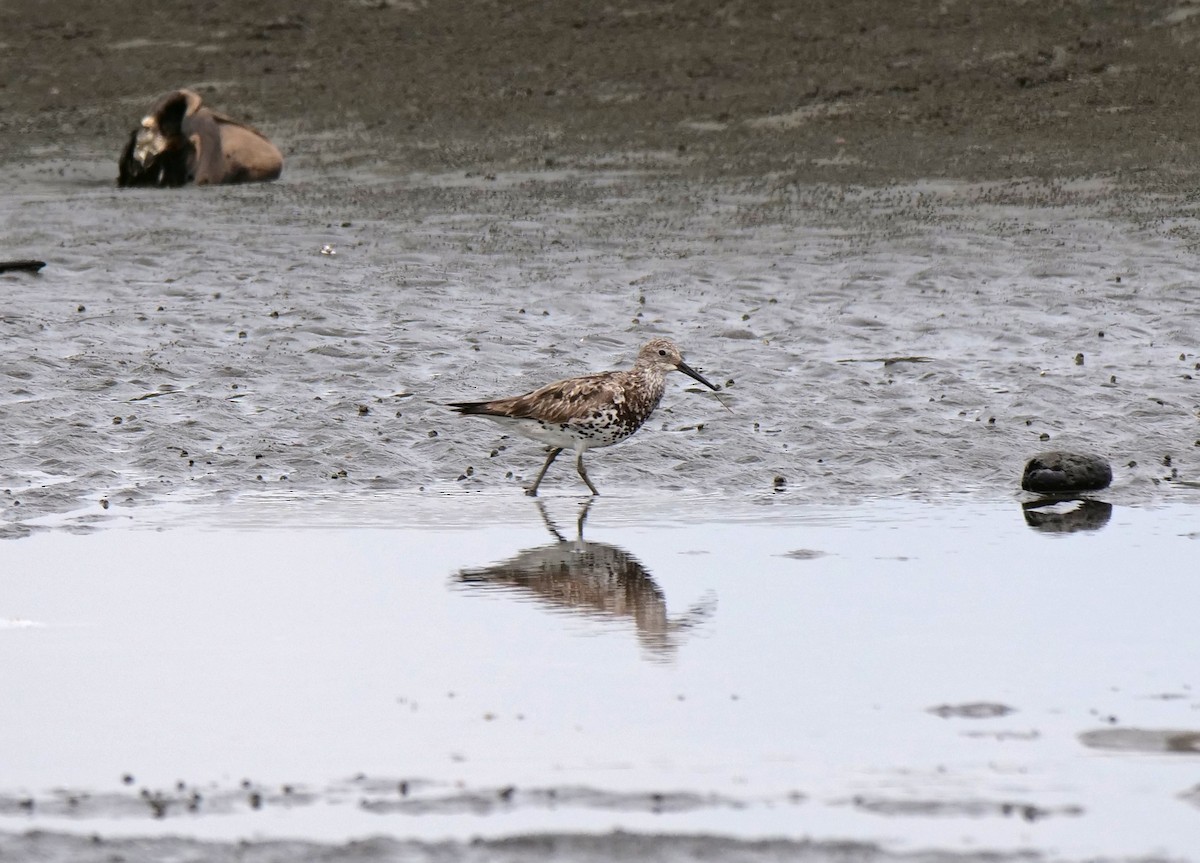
x,y
910,677
257,583
401,647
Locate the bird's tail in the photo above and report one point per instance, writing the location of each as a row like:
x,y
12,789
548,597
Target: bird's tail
x,y
470,407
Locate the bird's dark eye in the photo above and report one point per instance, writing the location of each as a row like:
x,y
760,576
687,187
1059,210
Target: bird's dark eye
x,y
662,353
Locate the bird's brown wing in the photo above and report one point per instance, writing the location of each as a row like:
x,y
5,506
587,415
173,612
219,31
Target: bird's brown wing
x,y
561,401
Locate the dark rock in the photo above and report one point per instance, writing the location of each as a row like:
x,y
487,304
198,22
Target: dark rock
x,y
1065,471
21,266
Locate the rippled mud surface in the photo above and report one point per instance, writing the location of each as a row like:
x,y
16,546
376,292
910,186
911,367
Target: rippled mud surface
x,y
914,340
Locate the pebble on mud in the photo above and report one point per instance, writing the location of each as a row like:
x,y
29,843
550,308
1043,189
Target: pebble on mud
x,y
1065,471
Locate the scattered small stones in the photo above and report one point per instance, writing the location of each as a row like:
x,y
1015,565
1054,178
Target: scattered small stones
x,y
1061,471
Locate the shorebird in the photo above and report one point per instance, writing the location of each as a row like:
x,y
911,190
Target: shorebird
x,y
590,411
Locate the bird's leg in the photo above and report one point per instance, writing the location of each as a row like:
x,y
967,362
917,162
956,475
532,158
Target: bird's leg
x,y
532,490
583,471
583,511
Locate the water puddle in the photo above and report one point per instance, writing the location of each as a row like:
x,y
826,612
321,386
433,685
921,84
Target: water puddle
x,y
902,674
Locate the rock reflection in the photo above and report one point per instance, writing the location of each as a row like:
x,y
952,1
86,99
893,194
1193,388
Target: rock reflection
x,y
594,580
1172,740
1052,515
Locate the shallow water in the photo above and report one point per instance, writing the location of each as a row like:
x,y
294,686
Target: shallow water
x,y
902,674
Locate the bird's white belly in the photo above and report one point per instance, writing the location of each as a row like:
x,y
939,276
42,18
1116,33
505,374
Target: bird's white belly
x,y
585,435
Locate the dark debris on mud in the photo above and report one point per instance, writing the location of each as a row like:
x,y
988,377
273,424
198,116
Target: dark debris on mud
x,y
376,795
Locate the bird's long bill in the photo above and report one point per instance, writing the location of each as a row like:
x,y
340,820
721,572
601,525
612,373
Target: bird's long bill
x,y
695,375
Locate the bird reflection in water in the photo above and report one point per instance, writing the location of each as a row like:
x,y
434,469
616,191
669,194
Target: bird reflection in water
x,y
1057,515
593,580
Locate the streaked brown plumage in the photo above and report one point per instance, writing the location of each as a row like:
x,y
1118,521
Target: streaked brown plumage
x,y
595,410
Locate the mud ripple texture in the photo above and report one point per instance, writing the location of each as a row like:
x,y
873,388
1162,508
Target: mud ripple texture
x,y
213,349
